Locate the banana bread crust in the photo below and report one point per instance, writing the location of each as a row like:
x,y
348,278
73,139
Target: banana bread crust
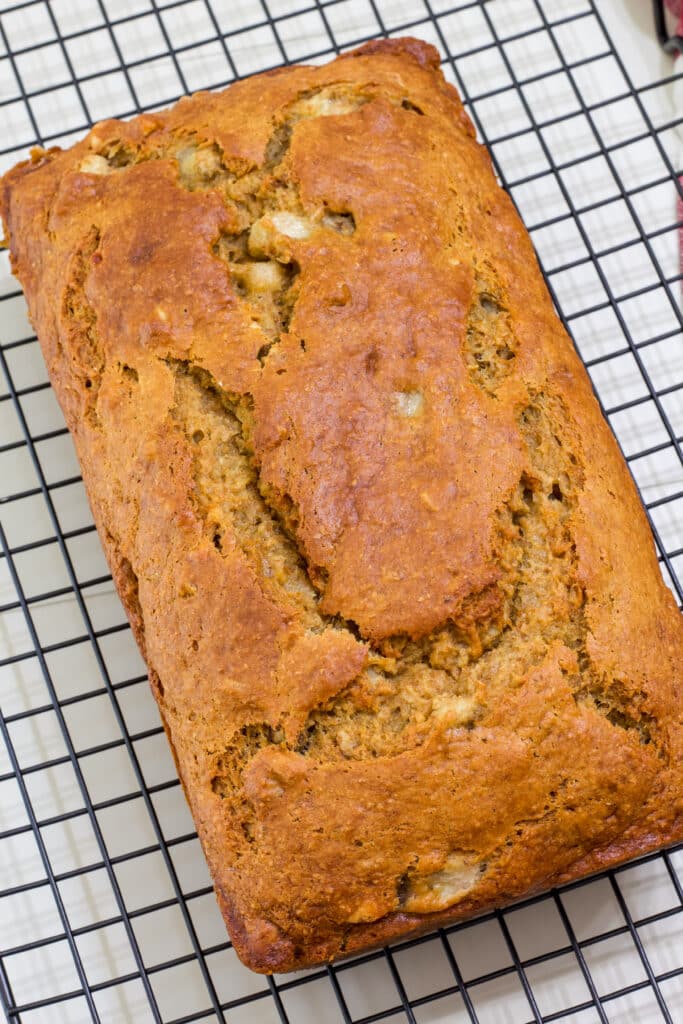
x,y
392,579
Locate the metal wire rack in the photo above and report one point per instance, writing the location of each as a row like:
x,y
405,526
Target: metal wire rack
x,y
106,911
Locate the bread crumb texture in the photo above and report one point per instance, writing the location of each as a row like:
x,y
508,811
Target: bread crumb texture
x,y
398,597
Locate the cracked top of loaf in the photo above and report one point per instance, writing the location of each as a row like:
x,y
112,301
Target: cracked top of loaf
x,y
398,597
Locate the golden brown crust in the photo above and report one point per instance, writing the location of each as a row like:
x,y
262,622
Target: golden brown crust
x,y
392,579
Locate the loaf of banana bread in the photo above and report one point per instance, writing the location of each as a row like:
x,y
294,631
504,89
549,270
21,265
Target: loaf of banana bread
x,y
398,597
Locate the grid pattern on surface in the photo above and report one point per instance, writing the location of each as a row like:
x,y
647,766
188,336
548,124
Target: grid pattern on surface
x,y
106,910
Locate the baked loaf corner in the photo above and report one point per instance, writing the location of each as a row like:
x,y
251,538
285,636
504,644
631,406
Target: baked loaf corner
x,y
398,597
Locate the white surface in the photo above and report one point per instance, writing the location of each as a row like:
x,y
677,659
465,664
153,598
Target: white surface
x,y
127,826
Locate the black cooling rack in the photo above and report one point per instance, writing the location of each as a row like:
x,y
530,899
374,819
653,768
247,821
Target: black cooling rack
x,y
106,912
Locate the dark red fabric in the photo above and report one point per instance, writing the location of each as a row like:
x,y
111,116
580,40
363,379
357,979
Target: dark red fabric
x,y
676,8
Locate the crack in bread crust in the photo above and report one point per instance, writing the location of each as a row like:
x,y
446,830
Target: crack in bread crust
x,y
455,672
82,345
490,343
272,215
226,487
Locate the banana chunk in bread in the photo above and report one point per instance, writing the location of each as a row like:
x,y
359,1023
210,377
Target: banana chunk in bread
x,y
397,594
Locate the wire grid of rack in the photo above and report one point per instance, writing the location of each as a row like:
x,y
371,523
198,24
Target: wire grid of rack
x,y
106,910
